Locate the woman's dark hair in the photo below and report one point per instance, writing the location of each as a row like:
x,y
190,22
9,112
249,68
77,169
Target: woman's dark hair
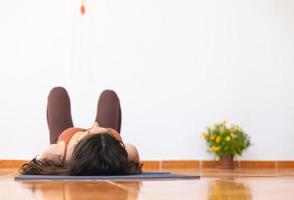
x,y
96,154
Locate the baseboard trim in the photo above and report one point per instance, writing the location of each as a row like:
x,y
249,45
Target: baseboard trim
x,y
244,164
167,164
12,163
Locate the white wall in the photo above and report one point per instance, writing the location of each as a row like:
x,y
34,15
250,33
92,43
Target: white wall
x,y
177,65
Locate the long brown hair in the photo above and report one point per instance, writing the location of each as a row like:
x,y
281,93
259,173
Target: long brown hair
x,y
96,154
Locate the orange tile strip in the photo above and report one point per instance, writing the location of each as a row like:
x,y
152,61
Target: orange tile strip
x,y
180,164
285,164
251,164
12,163
258,164
165,164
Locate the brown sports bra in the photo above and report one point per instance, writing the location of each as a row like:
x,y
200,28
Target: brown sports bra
x,y
67,134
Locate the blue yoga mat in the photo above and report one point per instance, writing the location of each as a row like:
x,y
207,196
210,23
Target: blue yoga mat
x,y
144,175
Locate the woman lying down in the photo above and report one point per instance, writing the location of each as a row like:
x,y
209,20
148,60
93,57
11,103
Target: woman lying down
x,y
98,150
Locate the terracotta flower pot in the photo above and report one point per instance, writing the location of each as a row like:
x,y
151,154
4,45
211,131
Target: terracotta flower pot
x,y
226,162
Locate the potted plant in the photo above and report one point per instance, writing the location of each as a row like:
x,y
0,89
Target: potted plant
x,y
226,142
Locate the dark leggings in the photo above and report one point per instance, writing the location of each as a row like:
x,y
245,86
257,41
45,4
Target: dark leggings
x,y
59,112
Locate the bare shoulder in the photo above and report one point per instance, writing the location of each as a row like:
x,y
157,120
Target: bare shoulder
x,y
133,153
54,152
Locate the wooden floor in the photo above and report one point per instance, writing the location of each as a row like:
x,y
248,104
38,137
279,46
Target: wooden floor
x,y
214,184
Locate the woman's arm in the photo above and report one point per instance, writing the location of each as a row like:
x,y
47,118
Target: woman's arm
x,y
133,154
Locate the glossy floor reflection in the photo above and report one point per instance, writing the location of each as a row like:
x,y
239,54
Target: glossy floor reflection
x,y
214,185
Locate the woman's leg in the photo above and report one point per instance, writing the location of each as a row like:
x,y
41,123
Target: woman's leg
x,y
58,113
109,111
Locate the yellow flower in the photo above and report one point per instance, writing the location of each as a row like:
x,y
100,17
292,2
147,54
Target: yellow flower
x,y
223,129
211,137
228,139
218,138
204,135
214,148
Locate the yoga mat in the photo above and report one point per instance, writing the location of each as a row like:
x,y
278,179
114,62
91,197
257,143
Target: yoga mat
x,y
144,175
